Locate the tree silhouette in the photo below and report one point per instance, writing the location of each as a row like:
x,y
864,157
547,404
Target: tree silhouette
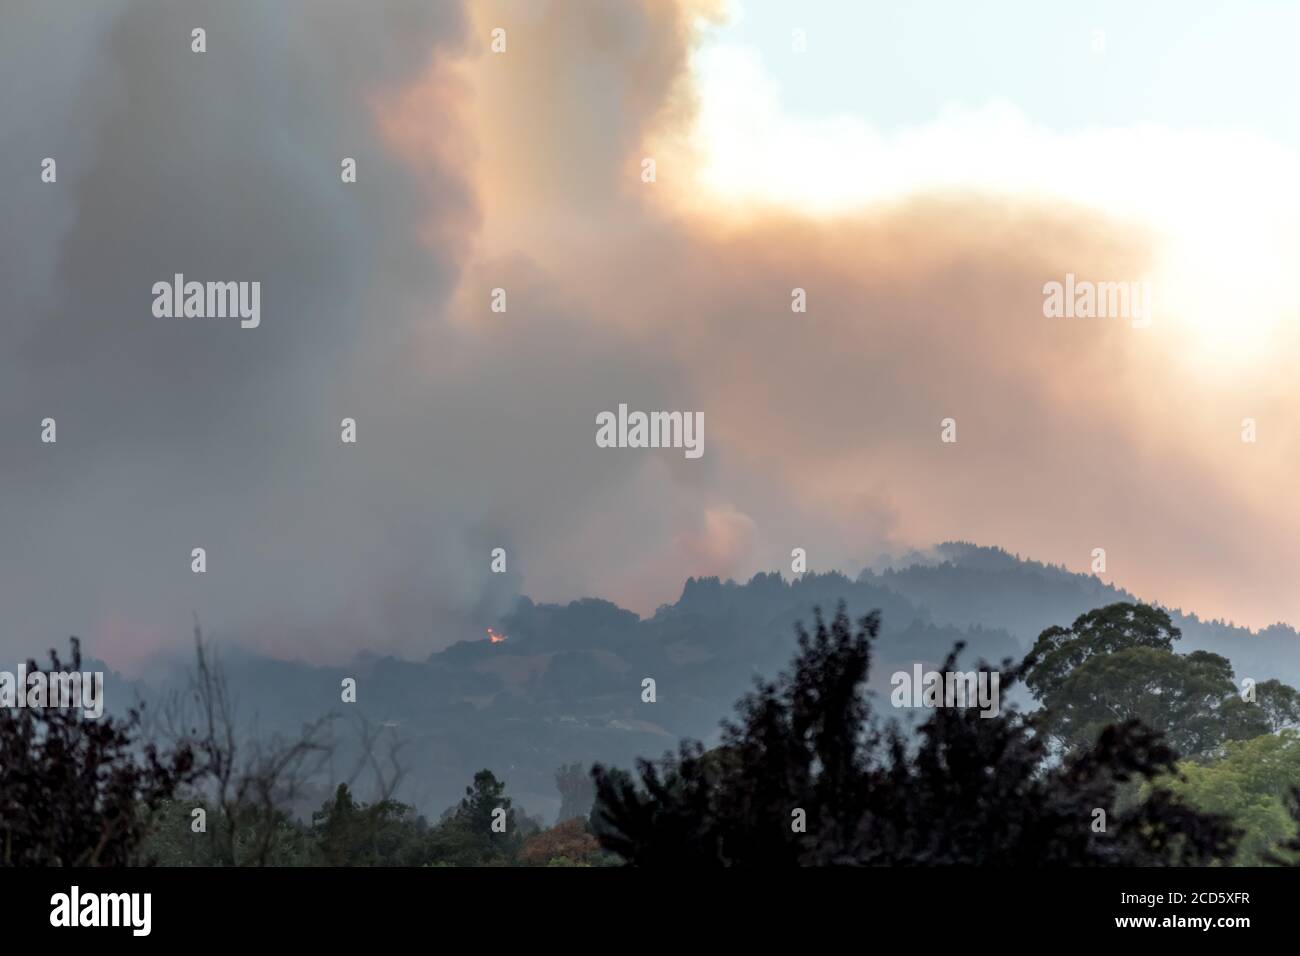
x,y
807,776
482,798
73,788
1117,663
384,833
466,837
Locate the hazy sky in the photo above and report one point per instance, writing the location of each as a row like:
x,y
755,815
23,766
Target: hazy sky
x,y
920,172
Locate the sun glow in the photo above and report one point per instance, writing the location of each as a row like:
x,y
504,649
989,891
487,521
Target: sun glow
x,y
1220,210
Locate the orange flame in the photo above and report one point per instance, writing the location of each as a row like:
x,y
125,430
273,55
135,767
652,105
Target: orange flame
x,y
495,637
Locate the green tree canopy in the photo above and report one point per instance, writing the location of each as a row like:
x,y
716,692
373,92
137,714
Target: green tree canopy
x,y
1249,783
1060,651
1117,664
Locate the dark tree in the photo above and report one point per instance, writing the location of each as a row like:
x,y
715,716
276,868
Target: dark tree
x,y
1059,651
385,833
1287,853
486,795
466,836
967,790
75,790
1117,663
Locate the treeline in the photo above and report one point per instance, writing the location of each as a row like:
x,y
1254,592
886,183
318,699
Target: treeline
x,y
1137,755
484,829
186,787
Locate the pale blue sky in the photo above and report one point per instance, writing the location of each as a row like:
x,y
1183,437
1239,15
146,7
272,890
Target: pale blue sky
x,y
1178,63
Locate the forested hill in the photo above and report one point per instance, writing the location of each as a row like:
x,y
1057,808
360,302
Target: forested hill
x,y
567,682
965,584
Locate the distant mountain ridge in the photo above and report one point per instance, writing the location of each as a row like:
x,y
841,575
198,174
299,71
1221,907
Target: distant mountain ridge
x,y
973,584
566,683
